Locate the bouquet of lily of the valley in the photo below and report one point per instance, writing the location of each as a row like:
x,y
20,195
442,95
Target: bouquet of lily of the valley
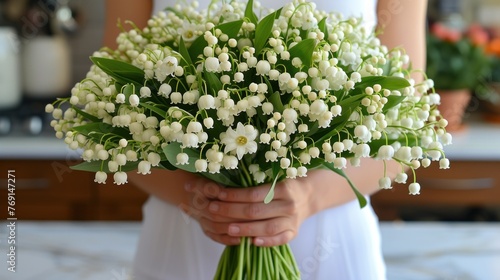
x,y
245,100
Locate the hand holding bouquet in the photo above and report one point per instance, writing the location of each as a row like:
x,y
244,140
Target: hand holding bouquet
x,y
245,100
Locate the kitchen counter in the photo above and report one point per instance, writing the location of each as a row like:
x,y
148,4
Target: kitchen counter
x,y
476,141
104,250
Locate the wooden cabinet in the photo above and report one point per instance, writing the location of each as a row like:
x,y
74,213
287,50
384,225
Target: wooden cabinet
x,y
465,184
50,190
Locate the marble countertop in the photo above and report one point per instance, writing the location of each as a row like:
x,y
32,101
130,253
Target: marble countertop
x,y
104,250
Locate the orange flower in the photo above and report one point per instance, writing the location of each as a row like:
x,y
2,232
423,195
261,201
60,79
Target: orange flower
x,y
445,33
478,35
493,47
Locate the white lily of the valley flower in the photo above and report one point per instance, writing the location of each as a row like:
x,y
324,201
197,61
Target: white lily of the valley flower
x,y
401,178
206,102
212,64
444,163
302,171
291,172
384,183
241,140
145,92
271,156
154,159
100,177
120,178
414,188
182,159
201,165
362,133
144,167
230,162
208,122
133,100
259,177
120,99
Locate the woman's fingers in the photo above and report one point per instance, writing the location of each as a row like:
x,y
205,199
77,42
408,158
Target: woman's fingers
x,y
223,238
251,211
269,227
267,232
275,240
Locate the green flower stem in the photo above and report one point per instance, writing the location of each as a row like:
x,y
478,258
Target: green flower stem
x,y
249,262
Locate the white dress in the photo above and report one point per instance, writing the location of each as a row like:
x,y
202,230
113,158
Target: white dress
x,y
340,243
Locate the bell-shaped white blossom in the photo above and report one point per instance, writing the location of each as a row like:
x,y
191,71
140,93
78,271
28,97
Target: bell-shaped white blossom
x,y
100,177
271,156
208,122
182,159
414,188
120,178
201,165
212,64
340,162
291,172
444,163
206,102
144,167
385,183
401,178
230,162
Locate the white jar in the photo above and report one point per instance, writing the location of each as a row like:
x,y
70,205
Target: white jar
x,y
46,67
10,80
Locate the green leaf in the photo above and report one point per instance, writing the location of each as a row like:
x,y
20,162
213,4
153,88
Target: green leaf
x,y
128,90
304,50
361,198
213,82
387,82
249,14
392,101
322,27
85,114
275,99
183,51
276,173
173,149
95,166
151,107
123,72
100,131
263,30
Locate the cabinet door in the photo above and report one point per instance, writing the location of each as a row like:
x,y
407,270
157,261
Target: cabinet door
x,y
46,190
465,184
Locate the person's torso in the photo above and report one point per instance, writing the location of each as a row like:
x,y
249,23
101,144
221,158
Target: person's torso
x,y
358,8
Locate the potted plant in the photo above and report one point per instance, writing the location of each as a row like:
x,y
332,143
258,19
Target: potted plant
x,y
457,63
490,95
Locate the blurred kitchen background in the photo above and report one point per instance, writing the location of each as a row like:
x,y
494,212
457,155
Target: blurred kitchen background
x,y
44,49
